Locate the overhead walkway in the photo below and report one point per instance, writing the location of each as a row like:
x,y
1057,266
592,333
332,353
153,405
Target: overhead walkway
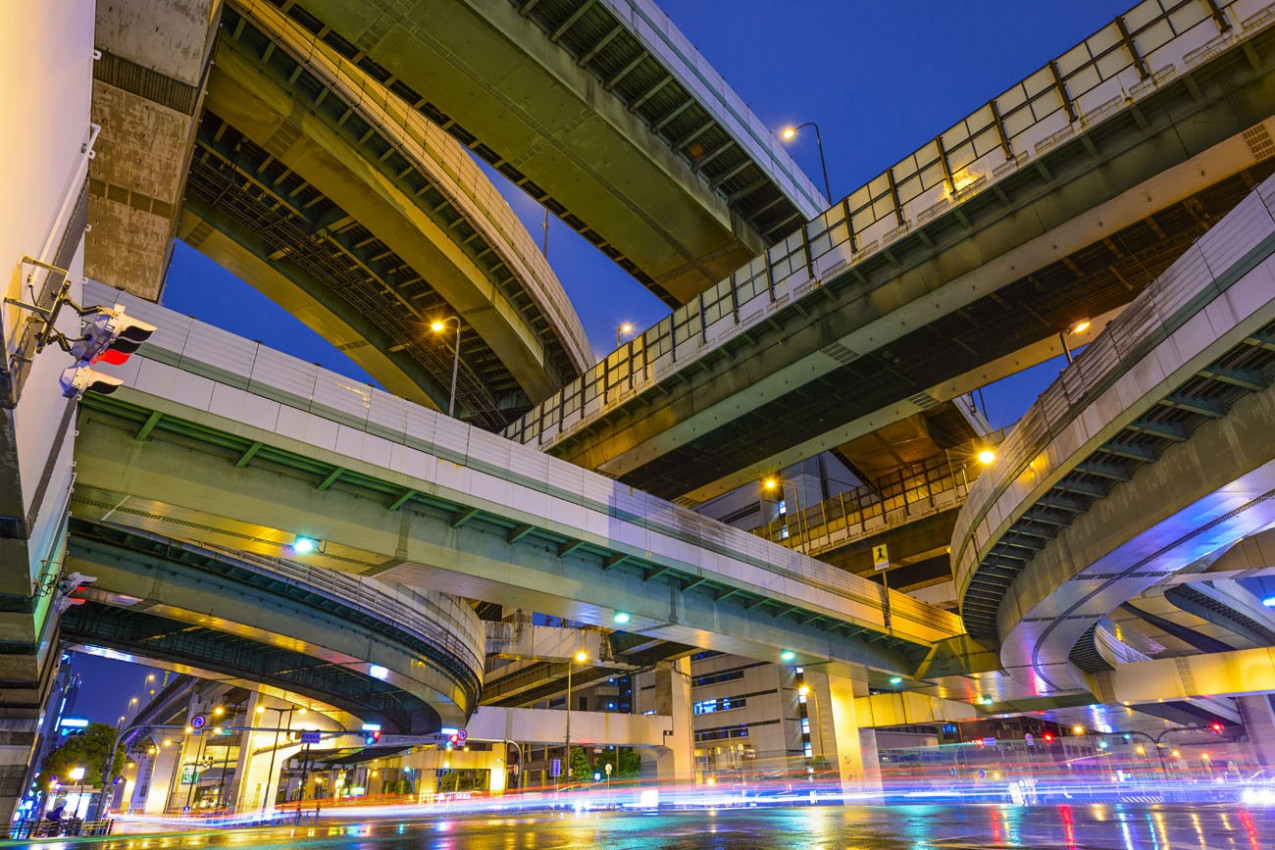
x,y
253,447
1059,200
1148,453
601,111
410,661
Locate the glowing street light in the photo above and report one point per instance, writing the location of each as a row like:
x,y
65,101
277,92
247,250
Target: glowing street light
x,y
1077,327
621,618
789,133
621,331
304,545
437,326
787,655
986,457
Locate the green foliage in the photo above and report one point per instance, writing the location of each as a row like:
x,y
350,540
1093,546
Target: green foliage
x,y
580,768
88,750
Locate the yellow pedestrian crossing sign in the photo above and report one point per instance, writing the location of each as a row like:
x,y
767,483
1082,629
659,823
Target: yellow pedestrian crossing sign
x,y
880,557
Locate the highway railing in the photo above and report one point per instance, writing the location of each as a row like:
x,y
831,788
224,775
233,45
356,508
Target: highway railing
x,y
436,618
1106,74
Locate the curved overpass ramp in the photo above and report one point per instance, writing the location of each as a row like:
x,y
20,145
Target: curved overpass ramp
x,y
411,661
602,111
314,182
1149,453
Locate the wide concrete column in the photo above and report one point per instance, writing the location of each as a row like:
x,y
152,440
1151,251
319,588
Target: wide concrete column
x,y
163,780
674,761
1259,723
850,749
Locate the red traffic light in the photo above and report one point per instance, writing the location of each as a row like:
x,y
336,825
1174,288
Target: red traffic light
x,y
1049,737
1216,727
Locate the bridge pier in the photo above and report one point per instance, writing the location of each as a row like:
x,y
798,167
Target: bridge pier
x,y
850,749
1259,723
674,762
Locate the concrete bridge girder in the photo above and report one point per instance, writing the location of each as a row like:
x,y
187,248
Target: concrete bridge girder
x,y
1119,188
185,595
525,98
251,103
464,558
1206,490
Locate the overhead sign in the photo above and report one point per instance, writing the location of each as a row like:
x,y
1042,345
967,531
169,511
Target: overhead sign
x,y
311,737
880,557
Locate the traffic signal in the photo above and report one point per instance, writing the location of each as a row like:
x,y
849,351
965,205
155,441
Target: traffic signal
x,y
67,585
110,336
371,736
1216,727
1049,737
81,378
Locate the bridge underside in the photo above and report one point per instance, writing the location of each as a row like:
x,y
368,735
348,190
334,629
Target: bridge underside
x,y
1079,231
585,120
158,598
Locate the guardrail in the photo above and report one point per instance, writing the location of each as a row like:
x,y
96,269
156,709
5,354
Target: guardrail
x,y
936,484
431,616
1092,82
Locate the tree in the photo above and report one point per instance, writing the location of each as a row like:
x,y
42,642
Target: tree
x,y
580,769
88,750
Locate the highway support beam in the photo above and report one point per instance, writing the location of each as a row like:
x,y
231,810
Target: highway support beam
x,y
674,761
838,735
1259,723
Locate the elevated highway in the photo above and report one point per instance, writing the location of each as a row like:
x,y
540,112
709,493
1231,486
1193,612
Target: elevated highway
x,y
317,185
1148,455
601,111
253,447
1057,201
410,661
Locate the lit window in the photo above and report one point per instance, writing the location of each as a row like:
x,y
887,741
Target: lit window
x,y
783,507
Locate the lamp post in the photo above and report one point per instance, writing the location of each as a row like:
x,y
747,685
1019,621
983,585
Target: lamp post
x,y
108,767
261,709
437,326
773,483
790,133
1074,328
805,691
621,331
580,656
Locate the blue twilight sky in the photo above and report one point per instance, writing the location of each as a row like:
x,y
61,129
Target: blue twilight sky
x,y
880,78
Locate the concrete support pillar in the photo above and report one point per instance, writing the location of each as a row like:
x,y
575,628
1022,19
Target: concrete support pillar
x,y
675,761
164,778
240,792
851,751
1259,723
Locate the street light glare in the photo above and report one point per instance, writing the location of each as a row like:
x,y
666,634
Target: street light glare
x,y
1080,326
788,134
582,656
770,483
621,618
437,327
986,457
803,690
787,655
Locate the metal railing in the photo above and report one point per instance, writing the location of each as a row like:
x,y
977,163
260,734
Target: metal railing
x,y
935,484
1099,78
430,616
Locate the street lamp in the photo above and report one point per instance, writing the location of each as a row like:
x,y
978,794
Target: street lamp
x,y
772,483
790,133
437,326
580,657
1077,327
621,331
817,738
